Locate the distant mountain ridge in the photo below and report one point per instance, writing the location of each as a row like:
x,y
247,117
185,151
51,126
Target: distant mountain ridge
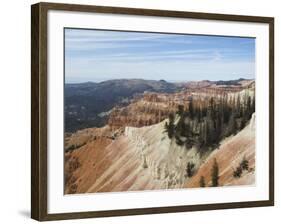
x,y
84,102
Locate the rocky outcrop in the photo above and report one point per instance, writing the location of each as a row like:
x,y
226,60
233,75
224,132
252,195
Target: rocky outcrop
x,y
152,108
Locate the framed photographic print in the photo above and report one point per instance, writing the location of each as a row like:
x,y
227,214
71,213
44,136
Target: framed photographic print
x,y
139,111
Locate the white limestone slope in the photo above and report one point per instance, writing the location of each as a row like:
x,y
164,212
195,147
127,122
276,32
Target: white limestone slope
x,y
145,159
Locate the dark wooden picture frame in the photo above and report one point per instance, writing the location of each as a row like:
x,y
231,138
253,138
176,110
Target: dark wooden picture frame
x,y
39,110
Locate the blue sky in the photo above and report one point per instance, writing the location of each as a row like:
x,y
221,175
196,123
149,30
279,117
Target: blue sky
x,y
96,55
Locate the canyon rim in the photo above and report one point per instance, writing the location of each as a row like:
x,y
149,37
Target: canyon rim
x,y
150,111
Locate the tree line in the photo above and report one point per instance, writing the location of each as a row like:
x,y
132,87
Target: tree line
x,y
204,123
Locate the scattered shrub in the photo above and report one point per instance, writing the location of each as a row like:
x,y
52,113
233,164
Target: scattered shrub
x,y
244,165
238,172
74,146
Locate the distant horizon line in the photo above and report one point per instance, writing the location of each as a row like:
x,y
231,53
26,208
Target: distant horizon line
x,y
170,81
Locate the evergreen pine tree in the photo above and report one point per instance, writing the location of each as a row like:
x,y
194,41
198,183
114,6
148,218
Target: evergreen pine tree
x,y
202,182
215,174
232,125
242,123
170,127
180,110
191,109
253,105
238,107
190,169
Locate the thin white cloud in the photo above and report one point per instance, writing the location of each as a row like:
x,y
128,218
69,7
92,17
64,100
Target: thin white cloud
x,y
105,55
89,40
192,54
